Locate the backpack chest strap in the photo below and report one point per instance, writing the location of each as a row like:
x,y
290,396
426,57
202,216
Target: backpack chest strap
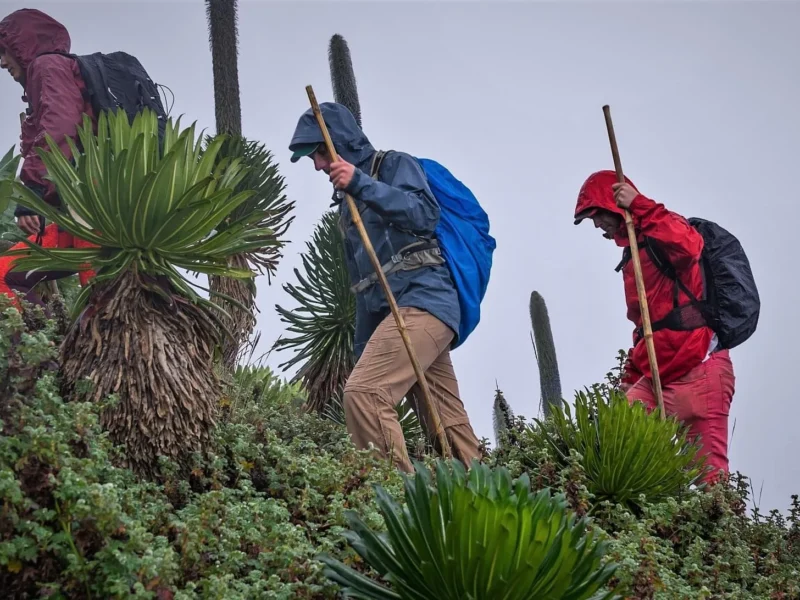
x,y
414,256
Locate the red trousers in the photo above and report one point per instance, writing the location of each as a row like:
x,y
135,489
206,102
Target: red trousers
x,y
20,283
701,399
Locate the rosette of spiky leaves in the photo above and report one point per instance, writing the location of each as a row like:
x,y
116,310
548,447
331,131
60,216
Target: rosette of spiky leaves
x,y
626,451
322,326
270,209
267,200
145,335
475,536
146,209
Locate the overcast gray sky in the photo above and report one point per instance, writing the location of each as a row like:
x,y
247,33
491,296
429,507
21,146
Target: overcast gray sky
x,y
704,97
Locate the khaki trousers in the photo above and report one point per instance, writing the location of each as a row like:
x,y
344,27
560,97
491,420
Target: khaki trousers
x,y
384,375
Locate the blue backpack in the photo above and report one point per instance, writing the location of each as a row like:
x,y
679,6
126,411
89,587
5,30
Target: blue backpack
x,y
463,235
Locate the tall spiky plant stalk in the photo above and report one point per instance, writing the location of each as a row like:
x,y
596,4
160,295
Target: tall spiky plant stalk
x,y
545,350
223,38
503,416
343,78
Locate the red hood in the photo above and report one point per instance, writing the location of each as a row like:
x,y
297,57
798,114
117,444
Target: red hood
x,y
596,193
27,33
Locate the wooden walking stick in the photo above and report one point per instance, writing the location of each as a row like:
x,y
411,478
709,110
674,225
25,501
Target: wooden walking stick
x,y
401,326
637,271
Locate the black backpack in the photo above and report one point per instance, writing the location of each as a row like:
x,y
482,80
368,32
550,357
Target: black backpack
x,y
119,80
730,305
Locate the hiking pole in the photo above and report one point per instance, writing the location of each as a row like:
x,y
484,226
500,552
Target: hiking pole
x,y
637,271
401,326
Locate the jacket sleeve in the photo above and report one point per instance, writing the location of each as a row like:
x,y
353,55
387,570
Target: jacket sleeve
x,y
680,241
407,202
57,109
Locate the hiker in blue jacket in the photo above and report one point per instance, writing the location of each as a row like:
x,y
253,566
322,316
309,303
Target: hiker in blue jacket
x,y
400,214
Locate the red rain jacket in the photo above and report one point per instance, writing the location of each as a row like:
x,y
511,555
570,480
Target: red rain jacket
x,y
54,90
677,352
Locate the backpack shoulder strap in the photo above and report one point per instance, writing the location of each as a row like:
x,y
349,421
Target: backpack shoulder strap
x,y
626,256
377,161
663,264
659,258
374,172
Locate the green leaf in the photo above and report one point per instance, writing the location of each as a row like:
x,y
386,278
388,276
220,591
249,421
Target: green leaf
x,y
8,171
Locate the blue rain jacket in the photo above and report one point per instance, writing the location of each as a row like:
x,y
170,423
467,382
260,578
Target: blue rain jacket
x,y
396,211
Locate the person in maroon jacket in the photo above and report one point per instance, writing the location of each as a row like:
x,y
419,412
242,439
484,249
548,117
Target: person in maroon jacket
x,y
697,379
54,91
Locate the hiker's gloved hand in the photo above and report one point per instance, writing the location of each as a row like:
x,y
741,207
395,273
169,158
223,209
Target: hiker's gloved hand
x,y
341,173
624,194
29,224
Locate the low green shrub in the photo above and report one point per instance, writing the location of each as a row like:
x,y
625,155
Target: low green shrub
x,y
475,536
254,517
629,455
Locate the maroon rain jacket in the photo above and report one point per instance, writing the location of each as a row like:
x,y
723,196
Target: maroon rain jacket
x,y
54,90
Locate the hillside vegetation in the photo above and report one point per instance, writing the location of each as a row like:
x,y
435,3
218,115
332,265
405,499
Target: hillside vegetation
x,y
267,507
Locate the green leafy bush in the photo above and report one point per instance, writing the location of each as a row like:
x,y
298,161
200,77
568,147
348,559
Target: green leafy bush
x,y
475,536
247,523
627,453
253,517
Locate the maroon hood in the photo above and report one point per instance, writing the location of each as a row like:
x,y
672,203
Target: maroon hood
x,y
27,33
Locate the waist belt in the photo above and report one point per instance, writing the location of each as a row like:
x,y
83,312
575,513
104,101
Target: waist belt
x,y
414,256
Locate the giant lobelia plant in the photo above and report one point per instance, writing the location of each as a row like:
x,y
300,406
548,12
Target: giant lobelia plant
x,y
476,536
545,351
141,331
322,326
502,417
627,452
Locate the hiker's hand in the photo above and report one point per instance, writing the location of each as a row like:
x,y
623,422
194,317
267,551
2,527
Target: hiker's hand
x,y
342,173
624,194
29,224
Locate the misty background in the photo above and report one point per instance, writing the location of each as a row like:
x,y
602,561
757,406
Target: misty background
x,y
508,96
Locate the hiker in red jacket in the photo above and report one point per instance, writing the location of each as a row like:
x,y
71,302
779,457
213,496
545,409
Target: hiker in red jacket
x,y
54,91
697,379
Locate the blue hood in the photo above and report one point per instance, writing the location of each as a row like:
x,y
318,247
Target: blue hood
x,y
348,139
